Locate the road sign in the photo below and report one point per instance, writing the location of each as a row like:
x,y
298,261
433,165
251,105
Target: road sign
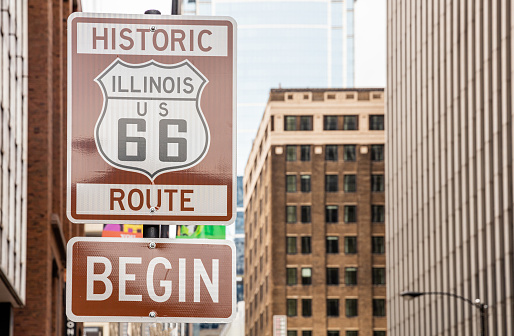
x,y
151,119
150,280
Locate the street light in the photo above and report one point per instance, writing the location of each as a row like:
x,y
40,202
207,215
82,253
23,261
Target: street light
x,y
478,304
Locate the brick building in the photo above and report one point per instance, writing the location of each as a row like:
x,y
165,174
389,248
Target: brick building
x,y
34,229
314,214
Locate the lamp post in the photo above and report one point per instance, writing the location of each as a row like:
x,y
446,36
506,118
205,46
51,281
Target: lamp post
x,y
482,307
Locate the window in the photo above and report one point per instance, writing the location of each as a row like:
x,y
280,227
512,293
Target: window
x,y
305,183
331,183
305,153
379,275
379,333
350,276
306,213
306,245
331,152
330,123
307,333
377,245
377,183
306,123
333,307
350,183
379,307
333,333
291,276
376,122
350,245
292,333
352,333
291,214
290,153
291,307
291,183
332,276
331,214
349,152
377,213
350,214
351,308
377,153
350,123
306,307
290,123
291,245
332,244
306,276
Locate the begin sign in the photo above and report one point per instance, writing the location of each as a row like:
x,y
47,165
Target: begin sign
x,y
150,280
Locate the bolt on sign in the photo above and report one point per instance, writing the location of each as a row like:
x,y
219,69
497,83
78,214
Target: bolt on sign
x,y
151,119
150,280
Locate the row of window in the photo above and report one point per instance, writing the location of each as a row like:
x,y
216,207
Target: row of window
x,y
334,333
333,123
332,183
377,245
332,213
351,307
331,153
378,276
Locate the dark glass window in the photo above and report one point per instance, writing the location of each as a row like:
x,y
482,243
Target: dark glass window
x,y
306,276
306,245
379,307
377,245
333,333
352,333
331,183
352,308
291,183
331,214
332,244
291,214
379,333
377,213
332,276
349,152
305,153
291,307
306,307
333,307
330,123
290,153
331,152
377,183
292,332
306,332
350,276
306,213
350,183
377,152
306,123
291,245
305,183
379,275
350,123
350,213
350,245
290,123
292,276
376,122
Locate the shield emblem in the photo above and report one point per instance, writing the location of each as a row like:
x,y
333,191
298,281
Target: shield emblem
x,y
151,121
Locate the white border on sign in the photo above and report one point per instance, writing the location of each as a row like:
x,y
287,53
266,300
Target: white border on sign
x,y
70,114
146,319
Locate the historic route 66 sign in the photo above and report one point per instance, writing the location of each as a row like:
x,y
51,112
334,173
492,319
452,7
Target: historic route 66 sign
x,y
151,119
153,113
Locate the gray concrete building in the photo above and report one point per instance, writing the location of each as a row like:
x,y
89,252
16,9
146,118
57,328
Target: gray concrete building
x,y
449,173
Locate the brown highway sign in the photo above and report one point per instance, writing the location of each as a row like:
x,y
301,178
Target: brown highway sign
x,y
151,119
150,280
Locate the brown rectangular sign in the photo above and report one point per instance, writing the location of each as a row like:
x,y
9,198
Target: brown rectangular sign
x,y
150,280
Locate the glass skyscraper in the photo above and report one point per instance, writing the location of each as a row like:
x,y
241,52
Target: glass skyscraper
x,y
288,44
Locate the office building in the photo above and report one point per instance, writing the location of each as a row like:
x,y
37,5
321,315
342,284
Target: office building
x,y
283,44
449,166
314,215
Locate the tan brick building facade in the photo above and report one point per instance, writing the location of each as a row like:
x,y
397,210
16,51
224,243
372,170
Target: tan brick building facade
x,y
314,214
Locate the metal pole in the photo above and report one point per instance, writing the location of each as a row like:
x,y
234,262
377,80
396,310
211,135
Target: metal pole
x,y
483,317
